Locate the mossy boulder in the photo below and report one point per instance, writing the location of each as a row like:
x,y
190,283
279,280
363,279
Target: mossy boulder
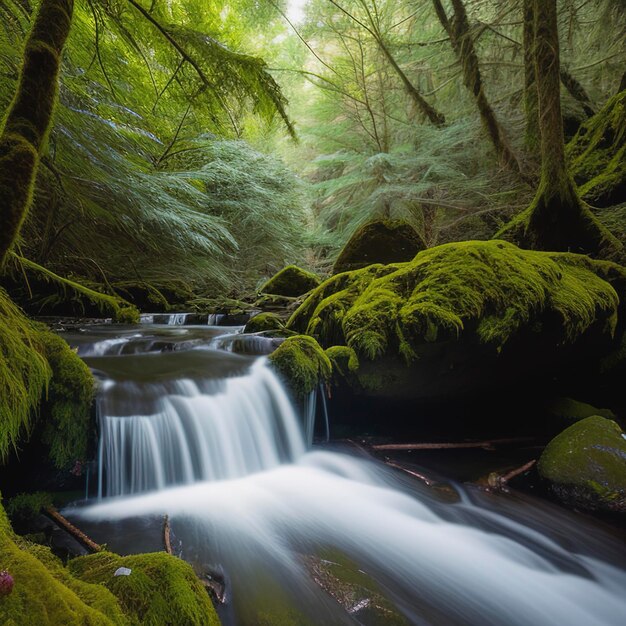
x,y
573,410
586,465
380,241
160,590
292,281
597,154
466,315
45,592
302,363
263,322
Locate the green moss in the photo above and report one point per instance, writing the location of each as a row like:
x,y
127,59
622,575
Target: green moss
x,y
490,290
597,154
25,507
160,590
292,281
24,374
67,407
45,592
126,315
586,464
380,241
263,322
302,362
573,410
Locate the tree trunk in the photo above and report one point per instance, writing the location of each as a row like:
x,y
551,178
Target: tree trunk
x,y
557,219
531,102
29,117
458,30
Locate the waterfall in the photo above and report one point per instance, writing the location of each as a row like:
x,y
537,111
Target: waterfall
x,y
247,425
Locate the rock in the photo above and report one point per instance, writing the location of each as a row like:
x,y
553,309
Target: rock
x,y
466,317
586,465
573,410
262,322
292,281
381,241
302,363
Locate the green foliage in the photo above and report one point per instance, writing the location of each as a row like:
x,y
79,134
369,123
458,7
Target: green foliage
x,y
302,363
45,592
67,408
160,590
24,374
381,241
490,289
25,507
597,154
585,464
291,281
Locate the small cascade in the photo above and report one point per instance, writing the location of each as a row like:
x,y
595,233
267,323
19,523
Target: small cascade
x,y
214,319
193,434
177,319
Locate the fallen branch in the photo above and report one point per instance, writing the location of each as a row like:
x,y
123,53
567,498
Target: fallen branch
x,y
167,535
486,445
497,481
66,525
427,481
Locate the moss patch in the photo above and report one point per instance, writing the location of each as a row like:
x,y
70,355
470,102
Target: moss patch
x,y
381,241
586,464
597,154
263,322
292,281
490,288
45,592
573,410
160,590
302,363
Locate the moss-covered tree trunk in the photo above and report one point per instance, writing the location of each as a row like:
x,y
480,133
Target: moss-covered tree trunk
x,y
557,219
531,102
29,117
458,30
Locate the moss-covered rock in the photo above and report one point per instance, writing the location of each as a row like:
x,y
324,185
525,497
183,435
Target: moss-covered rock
x,y
263,322
344,363
597,154
66,409
160,590
448,319
291,281
302,363
574,410
586,464
45,592
380,241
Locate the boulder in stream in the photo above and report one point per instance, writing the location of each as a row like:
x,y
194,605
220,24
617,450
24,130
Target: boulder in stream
x,y
292,281
586,465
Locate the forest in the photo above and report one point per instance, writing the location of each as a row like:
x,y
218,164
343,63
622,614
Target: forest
x,y
312,312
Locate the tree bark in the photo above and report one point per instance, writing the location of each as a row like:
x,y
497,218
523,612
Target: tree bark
x,y
30,116
557,218
458,30
531,101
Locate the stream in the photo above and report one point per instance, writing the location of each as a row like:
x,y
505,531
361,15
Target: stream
x,y
195,425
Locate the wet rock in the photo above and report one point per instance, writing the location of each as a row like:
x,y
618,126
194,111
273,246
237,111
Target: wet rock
x,y
586,465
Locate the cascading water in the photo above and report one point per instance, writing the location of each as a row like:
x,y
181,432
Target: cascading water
x,y
226,459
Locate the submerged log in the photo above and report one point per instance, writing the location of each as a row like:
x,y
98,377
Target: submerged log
x,y
67,526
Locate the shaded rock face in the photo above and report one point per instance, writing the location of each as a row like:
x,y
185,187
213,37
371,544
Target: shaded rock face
x,y
292,281
467,316
586,465
379,242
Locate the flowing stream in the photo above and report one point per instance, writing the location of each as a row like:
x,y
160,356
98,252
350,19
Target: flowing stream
x,y
192,429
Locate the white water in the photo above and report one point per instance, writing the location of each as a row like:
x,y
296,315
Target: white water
x,y
252,500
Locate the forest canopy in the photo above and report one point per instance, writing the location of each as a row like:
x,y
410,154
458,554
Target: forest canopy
x,y
206,145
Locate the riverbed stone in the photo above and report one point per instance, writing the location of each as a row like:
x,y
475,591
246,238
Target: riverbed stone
x,y
586,465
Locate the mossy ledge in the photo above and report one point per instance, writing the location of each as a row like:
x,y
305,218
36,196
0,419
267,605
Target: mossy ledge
x,y
302,363
263,322
484,293
291,281
586,465
161,589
